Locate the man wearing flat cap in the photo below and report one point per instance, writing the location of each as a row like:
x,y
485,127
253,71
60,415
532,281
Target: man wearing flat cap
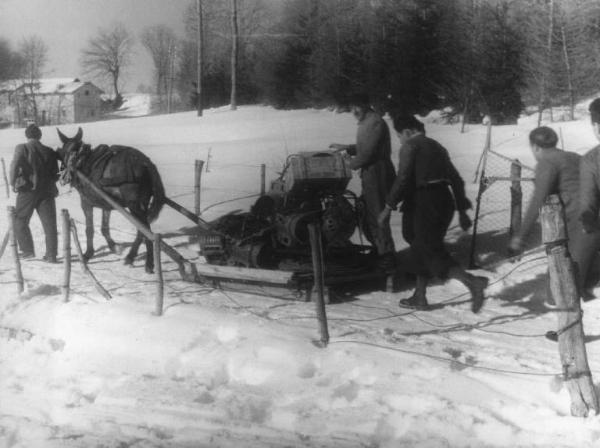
x,y
33,176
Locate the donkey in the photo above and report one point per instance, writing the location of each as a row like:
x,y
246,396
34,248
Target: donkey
x,y
126,174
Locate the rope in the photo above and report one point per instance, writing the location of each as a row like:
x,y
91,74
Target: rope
x,y
444,359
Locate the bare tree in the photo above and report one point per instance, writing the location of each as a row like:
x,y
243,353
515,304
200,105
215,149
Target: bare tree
x,y
200,57
10,61
107,54
234,53
34,54
160,41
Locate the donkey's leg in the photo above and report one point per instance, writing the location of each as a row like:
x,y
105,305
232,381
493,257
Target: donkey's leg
x,y
114,248
88,212
141,215
133,251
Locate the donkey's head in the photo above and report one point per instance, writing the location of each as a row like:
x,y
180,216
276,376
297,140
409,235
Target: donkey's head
x,y
68,154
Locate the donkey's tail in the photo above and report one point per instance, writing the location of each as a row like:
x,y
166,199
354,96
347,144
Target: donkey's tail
x,y
158,193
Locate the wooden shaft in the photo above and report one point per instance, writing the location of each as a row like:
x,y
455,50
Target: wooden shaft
x,y
141,227
66,231
6,185
563,286
15,250
263,176
84,266
319,279
159,275
197,180
114,204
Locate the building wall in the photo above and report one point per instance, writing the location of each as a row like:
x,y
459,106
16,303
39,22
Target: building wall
x,y
6,110
87,104
55,109
84,104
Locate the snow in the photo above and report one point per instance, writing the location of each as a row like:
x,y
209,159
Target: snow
x,y
134,105
233,369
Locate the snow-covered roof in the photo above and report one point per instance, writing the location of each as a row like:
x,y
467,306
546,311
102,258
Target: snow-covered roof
x,y
46,86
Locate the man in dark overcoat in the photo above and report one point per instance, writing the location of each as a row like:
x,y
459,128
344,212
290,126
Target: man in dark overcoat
x,y
557,172
430,190
372,156
33,176
589,203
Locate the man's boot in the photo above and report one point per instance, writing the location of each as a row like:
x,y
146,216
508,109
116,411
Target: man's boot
x,y
418,301
475,284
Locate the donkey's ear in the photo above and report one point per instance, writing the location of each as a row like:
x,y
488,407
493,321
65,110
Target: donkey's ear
x,y
63,137
79,135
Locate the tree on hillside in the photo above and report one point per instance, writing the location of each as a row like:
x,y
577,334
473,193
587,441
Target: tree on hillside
x,y
107,55
199,55
580,66
234,52
10,61
161,41
34,55
217,51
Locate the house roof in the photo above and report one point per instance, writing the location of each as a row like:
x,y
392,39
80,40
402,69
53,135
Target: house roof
x,y
47,86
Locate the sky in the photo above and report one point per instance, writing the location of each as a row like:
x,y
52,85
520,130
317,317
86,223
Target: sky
x,y
67,25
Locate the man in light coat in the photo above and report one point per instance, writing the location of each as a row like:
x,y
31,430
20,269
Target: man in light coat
x,y
371,155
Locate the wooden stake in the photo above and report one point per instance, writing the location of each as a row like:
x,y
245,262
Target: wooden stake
x,y
6,185
516,198
4,242
15,250
571,345
197,179
159,275
319,276
66,231
84,266
263,176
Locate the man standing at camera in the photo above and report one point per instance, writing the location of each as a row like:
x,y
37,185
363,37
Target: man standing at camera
x,y
372,156
33,176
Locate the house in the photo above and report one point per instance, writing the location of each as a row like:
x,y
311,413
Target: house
x,y
49,101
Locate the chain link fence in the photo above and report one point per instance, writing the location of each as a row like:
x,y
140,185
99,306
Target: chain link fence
x,y
505,188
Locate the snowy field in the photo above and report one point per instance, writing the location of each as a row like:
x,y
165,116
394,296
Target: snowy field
x,y
224,369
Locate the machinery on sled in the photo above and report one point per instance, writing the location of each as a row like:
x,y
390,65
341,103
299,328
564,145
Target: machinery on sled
x,y
274,233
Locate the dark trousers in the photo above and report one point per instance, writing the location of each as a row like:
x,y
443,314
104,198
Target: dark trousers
x,y
583,248
425,221
45,206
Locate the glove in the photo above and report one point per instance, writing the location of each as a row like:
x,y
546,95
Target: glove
x,y
515,247
464,220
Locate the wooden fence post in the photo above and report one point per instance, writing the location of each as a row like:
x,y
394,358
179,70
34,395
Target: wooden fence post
x,y
15,250
6,185
319,279
197,178
66,231
516,198
563,287
263,177
159,275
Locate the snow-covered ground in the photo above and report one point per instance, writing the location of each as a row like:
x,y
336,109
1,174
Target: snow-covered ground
x,y
224,369
134,105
